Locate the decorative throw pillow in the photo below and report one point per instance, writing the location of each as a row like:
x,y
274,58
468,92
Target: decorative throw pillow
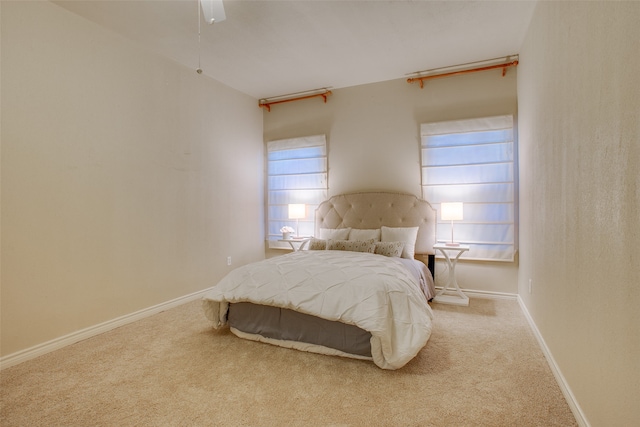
x,y
334,233
365,234
392,249
352,245
407,235
317,244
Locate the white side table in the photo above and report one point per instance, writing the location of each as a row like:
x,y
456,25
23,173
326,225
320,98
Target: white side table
x,y
296,243
455,295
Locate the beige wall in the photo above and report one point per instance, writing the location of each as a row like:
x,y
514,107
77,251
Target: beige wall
x,y
127,179
579,103
373,134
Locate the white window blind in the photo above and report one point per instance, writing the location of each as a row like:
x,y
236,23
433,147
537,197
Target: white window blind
x,y
472,161
296,173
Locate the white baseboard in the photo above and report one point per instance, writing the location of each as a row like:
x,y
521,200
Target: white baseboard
x,y
486,294
489,294
74,337
564,387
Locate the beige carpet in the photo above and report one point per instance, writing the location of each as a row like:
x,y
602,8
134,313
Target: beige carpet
x,y
481,367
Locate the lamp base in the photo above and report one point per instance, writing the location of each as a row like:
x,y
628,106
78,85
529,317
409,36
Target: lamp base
x,y
452,244
456,299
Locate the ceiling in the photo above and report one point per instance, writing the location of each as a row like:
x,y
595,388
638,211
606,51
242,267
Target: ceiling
x,y
270,48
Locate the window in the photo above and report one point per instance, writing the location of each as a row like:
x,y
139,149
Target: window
x,y
472,161
296,174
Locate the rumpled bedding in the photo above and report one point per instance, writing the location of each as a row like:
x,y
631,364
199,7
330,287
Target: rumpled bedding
x,y
421,272
370,291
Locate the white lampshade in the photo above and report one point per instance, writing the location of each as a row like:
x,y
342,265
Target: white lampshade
x,y
297,211
450,211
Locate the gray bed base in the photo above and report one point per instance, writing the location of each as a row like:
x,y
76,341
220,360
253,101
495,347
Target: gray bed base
x,y
283,324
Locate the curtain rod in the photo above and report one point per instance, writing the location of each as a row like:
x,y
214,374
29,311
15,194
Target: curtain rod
x,y
504,67
267,102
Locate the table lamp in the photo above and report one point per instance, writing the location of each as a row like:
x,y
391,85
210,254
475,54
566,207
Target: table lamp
x,y
297,211
451,212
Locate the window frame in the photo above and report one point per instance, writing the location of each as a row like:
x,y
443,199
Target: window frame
x,y
312,193
478,222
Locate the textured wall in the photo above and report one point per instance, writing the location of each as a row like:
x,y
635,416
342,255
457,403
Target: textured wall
x,y
579,104
126,179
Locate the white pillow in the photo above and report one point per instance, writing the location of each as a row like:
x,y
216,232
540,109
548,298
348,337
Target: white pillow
x,y
407,235
362,234
334,233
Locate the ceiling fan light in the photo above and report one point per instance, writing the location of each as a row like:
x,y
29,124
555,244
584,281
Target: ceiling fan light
x,y
213,11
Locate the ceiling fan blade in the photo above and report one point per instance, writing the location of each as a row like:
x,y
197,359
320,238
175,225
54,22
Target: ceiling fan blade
x,y
213,11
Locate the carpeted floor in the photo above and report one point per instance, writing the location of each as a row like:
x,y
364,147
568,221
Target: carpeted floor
x,y
481,367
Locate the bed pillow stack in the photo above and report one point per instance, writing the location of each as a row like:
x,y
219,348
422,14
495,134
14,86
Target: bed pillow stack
x,y
387,241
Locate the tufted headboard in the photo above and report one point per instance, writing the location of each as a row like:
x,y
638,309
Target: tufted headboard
x,y
375,209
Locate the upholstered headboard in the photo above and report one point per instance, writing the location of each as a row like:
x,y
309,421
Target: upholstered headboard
x,y
375,209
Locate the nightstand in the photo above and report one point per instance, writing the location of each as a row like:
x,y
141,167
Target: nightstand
x,y
454,295
296,243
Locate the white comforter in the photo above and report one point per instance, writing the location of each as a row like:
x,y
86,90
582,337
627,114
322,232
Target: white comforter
x,y
373,292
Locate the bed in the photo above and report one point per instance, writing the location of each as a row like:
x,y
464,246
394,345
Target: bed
x,y
360,290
